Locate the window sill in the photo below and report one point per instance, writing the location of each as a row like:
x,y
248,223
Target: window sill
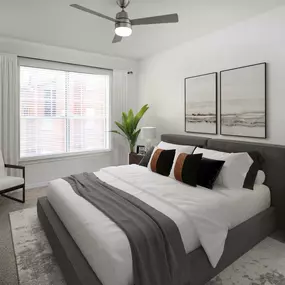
x,y
64,156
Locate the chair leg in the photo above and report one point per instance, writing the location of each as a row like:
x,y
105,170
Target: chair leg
x,y
24,194
15,199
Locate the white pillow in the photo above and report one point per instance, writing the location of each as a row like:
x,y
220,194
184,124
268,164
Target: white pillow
x,y
235,168
185,148
179,149
260,177
212,154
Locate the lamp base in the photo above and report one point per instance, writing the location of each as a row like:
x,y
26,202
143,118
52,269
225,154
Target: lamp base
x,y
148,145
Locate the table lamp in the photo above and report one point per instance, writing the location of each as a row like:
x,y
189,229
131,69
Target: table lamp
x,y
148,134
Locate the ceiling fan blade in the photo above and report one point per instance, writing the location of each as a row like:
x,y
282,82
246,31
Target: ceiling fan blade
x,y
171,18
76,6
116,39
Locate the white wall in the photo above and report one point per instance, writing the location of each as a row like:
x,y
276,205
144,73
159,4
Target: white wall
x,y
40,173
260,39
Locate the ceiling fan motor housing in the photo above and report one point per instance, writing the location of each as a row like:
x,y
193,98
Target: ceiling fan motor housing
x,y
123,19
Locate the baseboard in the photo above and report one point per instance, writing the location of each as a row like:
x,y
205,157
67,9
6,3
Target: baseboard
x,y
36,185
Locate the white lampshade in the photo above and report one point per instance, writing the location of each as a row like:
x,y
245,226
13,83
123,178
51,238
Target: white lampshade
x,y
148,133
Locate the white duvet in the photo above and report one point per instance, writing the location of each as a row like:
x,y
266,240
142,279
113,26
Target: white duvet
x,y
202,216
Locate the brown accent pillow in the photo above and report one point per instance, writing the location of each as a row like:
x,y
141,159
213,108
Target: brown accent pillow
x,y
187,167
161,161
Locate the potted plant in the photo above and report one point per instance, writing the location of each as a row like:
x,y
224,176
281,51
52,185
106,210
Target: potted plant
x,y
129,126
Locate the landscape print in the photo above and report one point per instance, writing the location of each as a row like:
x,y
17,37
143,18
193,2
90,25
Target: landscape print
x,y
200,104
243,101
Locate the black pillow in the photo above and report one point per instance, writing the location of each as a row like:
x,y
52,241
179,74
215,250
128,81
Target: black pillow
x,y
162,160
186,168
252,173
209,172
146,158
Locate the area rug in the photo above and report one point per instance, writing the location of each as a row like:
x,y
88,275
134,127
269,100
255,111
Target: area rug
x,y
35,261
263,265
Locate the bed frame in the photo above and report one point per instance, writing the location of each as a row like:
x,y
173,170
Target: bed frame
x,y
241,239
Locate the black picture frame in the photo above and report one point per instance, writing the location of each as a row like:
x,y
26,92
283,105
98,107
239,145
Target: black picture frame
x,y
265,101
141,149
215,74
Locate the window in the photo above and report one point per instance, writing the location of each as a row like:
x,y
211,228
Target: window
x,y
63,109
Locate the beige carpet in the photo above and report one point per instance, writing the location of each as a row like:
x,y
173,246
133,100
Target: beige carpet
x,y
8,271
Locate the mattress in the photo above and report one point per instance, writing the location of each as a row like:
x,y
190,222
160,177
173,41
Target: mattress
x,y
106,247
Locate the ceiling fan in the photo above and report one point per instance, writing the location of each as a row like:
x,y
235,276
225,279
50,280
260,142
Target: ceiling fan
x,y
123,24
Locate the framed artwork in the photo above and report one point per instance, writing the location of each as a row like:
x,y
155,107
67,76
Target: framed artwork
x,y
243,101
201,104
141,149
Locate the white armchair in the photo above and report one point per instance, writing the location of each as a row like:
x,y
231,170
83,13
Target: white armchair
x,y
11,183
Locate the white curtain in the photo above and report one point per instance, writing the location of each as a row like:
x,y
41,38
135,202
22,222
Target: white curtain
x,y
9,107
119,105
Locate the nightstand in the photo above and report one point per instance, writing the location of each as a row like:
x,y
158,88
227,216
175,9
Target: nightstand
x,y
135,158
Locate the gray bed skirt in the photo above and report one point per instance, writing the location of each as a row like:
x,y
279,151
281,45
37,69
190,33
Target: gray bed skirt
x,y
77,271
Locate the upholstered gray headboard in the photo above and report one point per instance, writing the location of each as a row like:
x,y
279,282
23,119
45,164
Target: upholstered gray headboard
x,y
274,164
185,140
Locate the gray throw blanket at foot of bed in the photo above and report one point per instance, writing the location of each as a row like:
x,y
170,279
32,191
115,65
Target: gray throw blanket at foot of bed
x,y
158,252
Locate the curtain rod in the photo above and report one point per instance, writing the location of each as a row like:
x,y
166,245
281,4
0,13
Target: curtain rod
x,y
76,64
56,61
49,60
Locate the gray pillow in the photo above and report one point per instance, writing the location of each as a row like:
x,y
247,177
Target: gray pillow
x,y
257,164
144,162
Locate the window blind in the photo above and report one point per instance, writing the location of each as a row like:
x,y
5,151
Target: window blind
x,y
61,110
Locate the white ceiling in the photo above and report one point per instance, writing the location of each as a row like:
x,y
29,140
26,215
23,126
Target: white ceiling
x,y
53,22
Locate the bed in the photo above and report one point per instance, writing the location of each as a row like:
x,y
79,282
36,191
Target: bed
x,y
92,250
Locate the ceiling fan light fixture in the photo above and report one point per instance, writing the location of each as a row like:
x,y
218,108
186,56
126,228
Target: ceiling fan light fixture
x,y
123,29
